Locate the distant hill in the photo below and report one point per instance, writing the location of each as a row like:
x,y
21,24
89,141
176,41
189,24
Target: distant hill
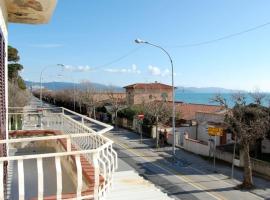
x,y
98,86
69,85
206,90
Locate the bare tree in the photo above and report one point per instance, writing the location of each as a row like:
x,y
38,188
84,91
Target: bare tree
x,y
16,96
249,123
90,99
117,102
257,96
157,112
79,99
218,98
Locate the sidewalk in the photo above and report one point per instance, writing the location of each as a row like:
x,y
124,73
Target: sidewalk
x,y
196,168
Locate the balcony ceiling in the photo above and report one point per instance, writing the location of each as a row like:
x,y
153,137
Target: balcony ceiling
x,y
30,11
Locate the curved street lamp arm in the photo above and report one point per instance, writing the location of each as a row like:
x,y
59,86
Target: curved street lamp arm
x,y
40,79
173,92
166,52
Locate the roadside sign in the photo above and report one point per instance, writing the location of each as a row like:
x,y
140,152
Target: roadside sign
x,y
141,117
214,131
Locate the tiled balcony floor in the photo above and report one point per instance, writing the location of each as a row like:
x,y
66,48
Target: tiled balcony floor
x,y
30,175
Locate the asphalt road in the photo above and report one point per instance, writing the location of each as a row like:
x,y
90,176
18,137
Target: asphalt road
x,y
181,179
156,175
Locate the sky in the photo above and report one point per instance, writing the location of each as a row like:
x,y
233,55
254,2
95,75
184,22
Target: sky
x,y
95,41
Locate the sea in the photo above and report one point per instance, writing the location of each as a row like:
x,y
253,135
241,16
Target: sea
x,y
205,98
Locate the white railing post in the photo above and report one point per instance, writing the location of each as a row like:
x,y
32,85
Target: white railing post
x,y
96,171
62,122
9,122
16,122
21,179
69,144
82,120
104,159
62,119
58,177
108,165
79,176
40,178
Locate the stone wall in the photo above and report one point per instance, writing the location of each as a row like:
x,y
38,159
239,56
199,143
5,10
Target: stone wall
x,y
137,96
196,146
260,166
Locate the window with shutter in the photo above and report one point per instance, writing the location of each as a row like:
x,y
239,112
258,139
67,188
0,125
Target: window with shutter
x,y
3,105
2,87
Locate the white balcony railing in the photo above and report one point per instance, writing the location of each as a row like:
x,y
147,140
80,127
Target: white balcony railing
x,y
83,139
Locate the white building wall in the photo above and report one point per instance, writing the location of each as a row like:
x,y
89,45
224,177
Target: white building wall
x,y
203,119
196,147
3,18
203,134
190,130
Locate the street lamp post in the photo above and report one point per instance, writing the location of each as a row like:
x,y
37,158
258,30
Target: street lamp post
x,y
40,92
41,73
139,41
73,81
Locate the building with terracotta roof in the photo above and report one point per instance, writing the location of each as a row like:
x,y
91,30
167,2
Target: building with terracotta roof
x,y
188,111
145,92
198,117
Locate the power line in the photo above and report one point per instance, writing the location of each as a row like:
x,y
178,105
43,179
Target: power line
x,y
186,45
221,38
118,59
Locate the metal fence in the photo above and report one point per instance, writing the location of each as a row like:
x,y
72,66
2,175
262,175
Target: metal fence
x,y
83,138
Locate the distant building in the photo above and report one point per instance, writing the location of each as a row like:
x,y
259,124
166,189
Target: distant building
x,y
188,111
196,118
145,92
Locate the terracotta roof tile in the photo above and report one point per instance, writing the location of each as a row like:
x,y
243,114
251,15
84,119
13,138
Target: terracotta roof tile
x,y
188,110
148,86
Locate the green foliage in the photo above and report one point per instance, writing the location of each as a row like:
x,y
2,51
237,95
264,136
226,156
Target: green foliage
x,y
21,83
13,70
13,54
130,112
249,122
101,109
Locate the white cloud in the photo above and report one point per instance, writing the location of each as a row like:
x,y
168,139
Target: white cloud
x,y
166,72
49,45
132,70
156,71
80,68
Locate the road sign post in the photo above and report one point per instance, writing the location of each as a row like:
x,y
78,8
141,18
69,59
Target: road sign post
x,y
215,147
234,149
140,118
215,131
